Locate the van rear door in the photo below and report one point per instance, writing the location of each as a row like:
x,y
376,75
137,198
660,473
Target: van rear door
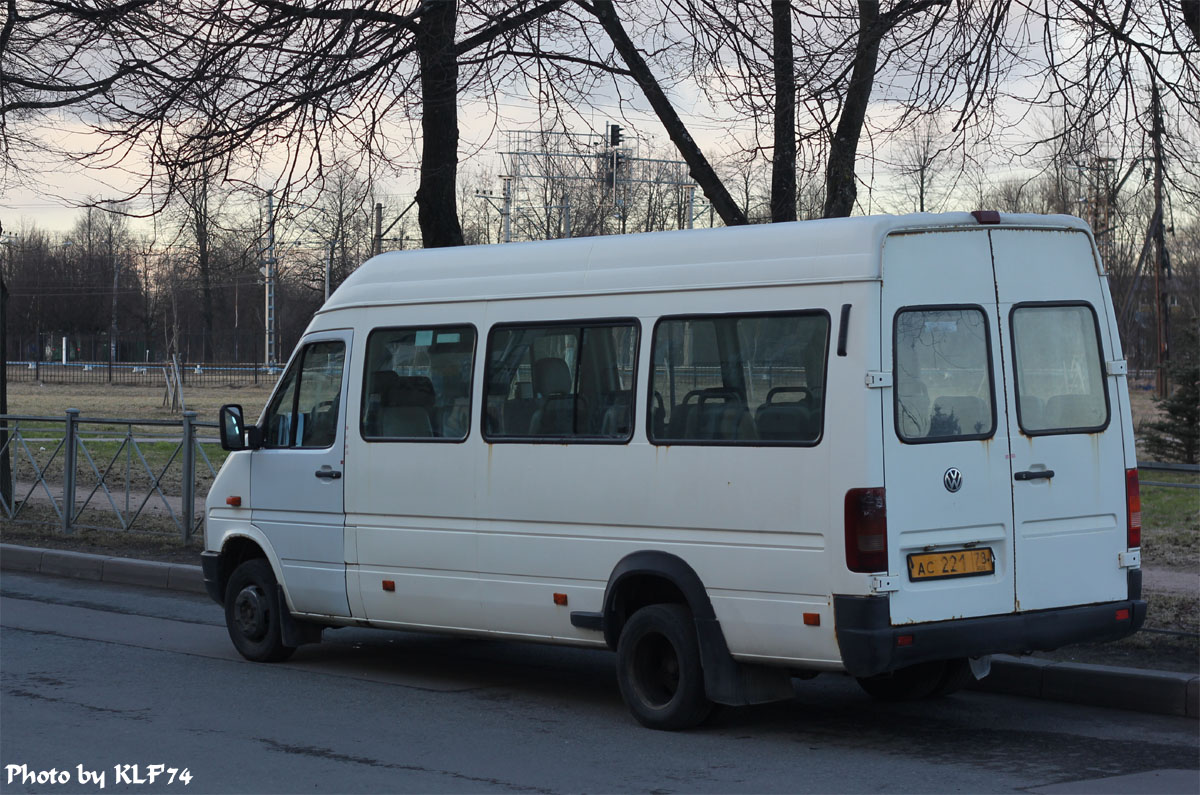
x,y
947,476
1067,448
1003,450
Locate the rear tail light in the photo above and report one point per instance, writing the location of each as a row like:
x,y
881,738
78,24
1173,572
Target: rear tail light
x,y
1133,509
866,530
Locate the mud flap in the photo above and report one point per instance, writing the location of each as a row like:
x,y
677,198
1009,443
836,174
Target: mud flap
x,y
727,681
295,633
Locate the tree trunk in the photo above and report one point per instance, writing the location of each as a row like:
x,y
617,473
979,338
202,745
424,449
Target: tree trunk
x,y
783,163
840,189
698,165
437,209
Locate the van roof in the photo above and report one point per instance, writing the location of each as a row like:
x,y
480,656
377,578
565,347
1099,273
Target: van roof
x,y
804,252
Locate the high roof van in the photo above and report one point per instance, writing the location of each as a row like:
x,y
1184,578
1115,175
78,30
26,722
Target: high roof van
x,y
885,446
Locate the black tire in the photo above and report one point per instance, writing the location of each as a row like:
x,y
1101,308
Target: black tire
x,y
658,668
252,613
958,675
906,684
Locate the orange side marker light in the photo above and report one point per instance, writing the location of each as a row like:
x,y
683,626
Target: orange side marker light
x,y
812,619
389,585
560,599
236,502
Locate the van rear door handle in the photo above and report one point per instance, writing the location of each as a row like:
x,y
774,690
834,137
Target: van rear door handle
x,y
1034,475
329,474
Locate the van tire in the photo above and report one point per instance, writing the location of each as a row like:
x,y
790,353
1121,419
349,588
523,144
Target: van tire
x,y
906,684
252,613
958,675
659,670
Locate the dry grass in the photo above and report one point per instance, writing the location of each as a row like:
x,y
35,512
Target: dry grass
x,y
132,402
167,545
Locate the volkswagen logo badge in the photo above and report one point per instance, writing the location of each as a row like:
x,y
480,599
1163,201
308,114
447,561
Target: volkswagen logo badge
x,y
952,480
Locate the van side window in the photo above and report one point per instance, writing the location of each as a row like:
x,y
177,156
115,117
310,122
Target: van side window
x,y
739,379
304,412
417,384
943,375
1058,369
561,381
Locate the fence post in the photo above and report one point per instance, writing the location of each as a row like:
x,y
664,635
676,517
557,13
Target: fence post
x,y
69,452
189,474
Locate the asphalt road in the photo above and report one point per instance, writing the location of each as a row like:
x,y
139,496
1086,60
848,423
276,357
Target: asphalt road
x,y
104,677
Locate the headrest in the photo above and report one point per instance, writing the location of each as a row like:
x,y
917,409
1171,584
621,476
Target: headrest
x,y
551,377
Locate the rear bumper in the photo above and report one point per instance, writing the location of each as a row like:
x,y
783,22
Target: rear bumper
x,y
868,641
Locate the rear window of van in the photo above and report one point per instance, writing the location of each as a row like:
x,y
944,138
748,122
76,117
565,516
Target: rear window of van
x,y
1059,370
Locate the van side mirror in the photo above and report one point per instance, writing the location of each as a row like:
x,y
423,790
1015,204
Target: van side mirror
x,y
235,434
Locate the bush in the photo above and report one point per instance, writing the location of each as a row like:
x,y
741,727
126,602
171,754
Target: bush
x,y
1177,436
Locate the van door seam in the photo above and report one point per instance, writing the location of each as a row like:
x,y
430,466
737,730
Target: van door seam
x,y
1012,492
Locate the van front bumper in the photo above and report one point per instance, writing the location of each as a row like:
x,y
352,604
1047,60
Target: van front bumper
x,y
870,645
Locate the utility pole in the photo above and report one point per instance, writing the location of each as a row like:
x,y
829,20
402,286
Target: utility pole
x,y
329,269
112,329
268,272
1161,308
378,248
507,211
380,231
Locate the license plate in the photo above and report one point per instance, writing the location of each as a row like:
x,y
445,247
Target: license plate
x,y
951,563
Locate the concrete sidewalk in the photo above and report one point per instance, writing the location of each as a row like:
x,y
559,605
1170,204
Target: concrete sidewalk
x,y
1159,692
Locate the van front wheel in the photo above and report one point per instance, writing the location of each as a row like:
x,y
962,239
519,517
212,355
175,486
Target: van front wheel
x,y
658,668
252,613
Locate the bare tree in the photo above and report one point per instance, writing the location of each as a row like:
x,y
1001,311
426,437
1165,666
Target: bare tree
x,y
206,82
919,165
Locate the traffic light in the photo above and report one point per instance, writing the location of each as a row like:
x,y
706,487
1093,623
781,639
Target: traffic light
x,y
614,135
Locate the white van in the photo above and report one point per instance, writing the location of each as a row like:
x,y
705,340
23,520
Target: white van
x,y
889,446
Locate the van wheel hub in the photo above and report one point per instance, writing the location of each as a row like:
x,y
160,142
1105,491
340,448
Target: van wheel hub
x,y
250,612
656,668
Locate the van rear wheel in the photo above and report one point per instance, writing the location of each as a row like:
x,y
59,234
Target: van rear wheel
x,y
658,668
906,684
252,613
958,675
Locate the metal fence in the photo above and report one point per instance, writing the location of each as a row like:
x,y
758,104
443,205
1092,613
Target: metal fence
x,y
103,473
150,475
146,374
1184,469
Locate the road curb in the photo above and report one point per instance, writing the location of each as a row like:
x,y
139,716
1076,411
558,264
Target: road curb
x,y
1137,689
102,568
1140,690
